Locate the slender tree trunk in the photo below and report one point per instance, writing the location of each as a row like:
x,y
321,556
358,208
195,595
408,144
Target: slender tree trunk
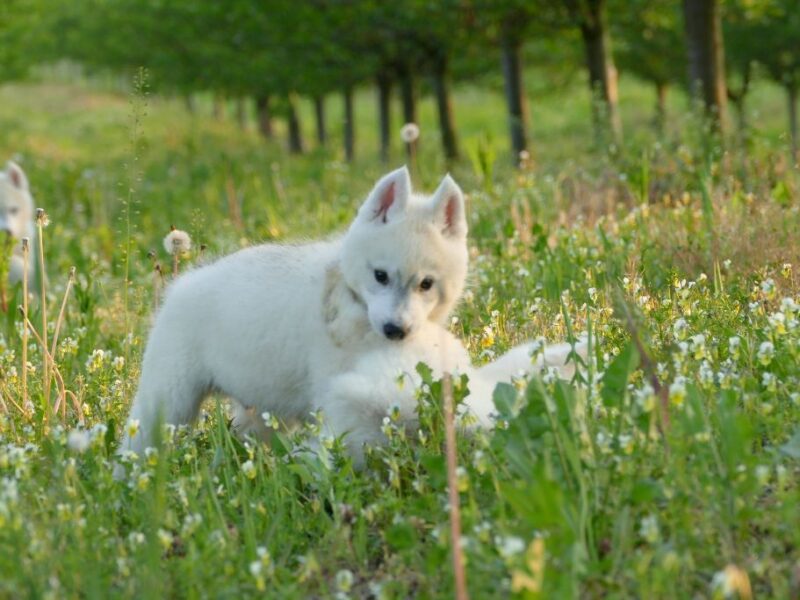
x,y
295,135
661,105
218,107
602,71
189,102
384,115
319,114
349,125
444,104
515,98
408,97
264,116
241,113
706,58
791,96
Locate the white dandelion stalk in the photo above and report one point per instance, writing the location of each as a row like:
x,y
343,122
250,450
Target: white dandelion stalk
x,y
25,260
176,243
452,486
409,133
40,222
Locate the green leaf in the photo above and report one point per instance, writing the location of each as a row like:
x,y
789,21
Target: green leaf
x,y
615,380
505,400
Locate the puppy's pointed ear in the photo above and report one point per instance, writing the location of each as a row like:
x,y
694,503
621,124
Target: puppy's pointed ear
x,y
388,198
448,207
16,176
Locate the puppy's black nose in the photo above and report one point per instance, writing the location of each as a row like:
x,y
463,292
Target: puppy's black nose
x,y
393,332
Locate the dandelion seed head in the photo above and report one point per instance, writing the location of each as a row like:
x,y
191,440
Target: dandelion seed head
x,y
409,133
177,242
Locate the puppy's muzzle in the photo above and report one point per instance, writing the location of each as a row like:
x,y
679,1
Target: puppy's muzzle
x,y
394,331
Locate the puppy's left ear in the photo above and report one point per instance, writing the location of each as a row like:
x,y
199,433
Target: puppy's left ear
x,y
17,176
449,210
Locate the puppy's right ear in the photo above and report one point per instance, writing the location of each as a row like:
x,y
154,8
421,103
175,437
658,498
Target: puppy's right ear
x,y
388,199
16,176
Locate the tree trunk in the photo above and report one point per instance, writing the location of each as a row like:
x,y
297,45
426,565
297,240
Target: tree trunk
x,y
791,96
661,106
349,125
218,107
295,135
264,117
241,113
445,108
706,58
515,98
602,71
319,114
408,97
384,115
189,102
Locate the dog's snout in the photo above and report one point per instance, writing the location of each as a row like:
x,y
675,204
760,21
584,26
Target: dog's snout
x,y
393,331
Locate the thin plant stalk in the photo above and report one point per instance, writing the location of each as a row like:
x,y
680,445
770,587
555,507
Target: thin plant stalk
x,y
452,485
40,217
63,392
25,259
62,312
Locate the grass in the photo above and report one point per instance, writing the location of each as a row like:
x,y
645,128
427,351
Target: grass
x,y
670,474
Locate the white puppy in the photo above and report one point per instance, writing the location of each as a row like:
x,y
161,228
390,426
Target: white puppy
x,y
16,217
269,326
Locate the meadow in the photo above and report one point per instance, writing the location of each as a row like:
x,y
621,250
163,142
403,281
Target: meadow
x,y
669,468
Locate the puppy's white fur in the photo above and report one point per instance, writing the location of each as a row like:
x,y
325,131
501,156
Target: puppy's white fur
x,y
356,402
16,216
269,326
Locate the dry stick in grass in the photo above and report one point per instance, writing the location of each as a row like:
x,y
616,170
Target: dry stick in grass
x,y
25,256
56,373
62,312
452,485
647,363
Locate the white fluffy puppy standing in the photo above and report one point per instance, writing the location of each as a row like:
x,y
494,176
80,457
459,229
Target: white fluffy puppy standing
x,y
270,325
16,217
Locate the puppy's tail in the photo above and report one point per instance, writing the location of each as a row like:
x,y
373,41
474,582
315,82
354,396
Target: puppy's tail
x,y
518,361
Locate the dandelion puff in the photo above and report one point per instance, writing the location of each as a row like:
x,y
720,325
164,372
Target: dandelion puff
x,y
409,133
177,242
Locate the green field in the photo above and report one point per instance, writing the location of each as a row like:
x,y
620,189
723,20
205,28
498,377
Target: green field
x,y
605,487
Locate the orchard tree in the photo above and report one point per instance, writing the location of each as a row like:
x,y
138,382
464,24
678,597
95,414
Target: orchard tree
x,y
590,16
777,30
706,54
507,25
649,43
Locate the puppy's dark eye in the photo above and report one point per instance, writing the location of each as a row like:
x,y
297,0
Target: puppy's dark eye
x,y
426,284
13,210
381,277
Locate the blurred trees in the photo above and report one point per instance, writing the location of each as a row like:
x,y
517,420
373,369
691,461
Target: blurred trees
x,y
273,53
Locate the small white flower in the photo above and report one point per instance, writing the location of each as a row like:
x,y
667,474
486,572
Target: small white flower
x,y
679,328
409,133
249,469
765,353
648,529
344,580
132,427
78,440
118,363
509,546
177,242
